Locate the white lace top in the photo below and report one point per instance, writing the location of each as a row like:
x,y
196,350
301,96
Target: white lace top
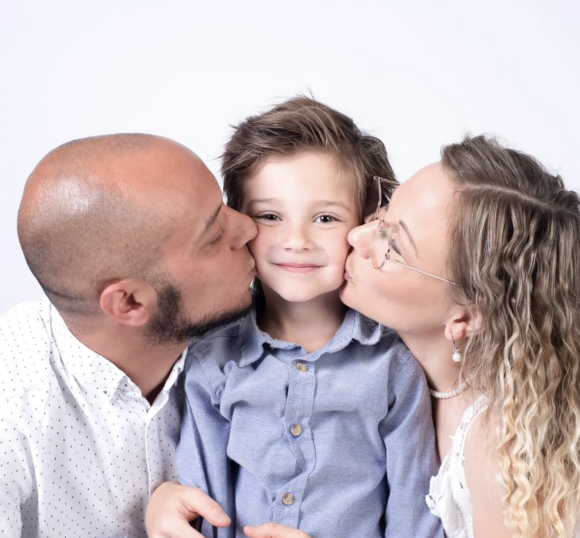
x,y
449,499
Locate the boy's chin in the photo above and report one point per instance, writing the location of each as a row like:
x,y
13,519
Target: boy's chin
x,y
297,295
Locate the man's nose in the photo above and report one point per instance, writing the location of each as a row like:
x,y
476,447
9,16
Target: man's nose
x,y
243,229
361,238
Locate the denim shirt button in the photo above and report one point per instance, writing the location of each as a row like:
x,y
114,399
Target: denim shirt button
x,y
302,367
296,430
288,499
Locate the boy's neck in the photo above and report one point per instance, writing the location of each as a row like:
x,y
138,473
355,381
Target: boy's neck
x,y
309,324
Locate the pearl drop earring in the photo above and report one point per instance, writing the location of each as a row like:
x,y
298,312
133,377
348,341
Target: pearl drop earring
x,y
456,354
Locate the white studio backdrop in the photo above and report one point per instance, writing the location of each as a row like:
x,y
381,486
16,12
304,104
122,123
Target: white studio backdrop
x,y
418,74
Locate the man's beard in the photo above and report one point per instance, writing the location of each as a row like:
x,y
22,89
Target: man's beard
x,y
171,324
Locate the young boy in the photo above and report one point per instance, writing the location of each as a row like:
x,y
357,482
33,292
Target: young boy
x,y
305,413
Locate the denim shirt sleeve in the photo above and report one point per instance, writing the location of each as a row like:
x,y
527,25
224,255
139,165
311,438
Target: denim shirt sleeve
x,y
412,459
202,452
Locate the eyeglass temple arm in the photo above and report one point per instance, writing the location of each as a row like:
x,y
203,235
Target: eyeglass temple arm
x,y
421,271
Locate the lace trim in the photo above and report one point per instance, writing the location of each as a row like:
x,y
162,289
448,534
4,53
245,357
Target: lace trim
x,y
449,498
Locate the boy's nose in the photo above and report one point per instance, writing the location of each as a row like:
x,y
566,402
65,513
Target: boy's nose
x,y
297,238
361,238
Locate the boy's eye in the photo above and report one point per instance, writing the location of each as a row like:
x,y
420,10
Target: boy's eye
x,y
268,216
325,219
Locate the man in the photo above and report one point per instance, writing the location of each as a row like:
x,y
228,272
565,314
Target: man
x,y
136,252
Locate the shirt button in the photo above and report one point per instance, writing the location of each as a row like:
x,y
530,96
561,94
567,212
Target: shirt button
x,y
296,430
288,499
302,367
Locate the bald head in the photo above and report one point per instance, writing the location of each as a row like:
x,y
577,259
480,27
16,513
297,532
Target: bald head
x,y
98,209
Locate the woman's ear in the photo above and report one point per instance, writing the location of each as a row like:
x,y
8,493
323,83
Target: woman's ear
x,y
129,302
475,322
464,322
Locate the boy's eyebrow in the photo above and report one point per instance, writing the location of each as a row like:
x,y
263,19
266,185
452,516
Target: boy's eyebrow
x,y
322,203
335,203
408,232
261,201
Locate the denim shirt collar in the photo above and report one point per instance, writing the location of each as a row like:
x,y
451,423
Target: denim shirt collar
x,y
355,326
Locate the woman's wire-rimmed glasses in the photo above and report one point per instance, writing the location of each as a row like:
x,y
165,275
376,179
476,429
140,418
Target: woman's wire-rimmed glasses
x,y
381,245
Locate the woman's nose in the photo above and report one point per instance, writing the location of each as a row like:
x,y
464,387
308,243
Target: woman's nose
x,y
361,238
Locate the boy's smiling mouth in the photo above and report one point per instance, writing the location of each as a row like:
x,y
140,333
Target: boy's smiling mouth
x,y
298,267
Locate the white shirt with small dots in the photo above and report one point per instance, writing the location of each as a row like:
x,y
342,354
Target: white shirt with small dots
x,y
81,449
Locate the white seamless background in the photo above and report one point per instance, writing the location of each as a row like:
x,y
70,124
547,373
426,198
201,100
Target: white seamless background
x,y
418,74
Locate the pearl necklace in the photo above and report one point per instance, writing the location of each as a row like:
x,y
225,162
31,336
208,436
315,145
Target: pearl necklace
x,y
451,393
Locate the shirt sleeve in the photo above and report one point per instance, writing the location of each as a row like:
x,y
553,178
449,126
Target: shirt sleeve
x,y
411,455
202,459
16,482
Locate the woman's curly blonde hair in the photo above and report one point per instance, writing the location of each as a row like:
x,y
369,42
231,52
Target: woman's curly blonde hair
x,y
515,253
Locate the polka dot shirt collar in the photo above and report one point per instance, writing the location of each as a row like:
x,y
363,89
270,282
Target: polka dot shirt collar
x,y
93,371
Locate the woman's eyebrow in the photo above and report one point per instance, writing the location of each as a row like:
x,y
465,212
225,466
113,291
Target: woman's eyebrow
x,y
408,232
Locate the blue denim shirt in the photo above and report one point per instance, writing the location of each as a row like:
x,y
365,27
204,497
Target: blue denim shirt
x,y
338,443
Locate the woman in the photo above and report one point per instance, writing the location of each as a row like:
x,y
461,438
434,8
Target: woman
x,y
497,239
476,265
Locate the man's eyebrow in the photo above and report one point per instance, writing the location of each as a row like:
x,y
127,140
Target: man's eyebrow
x,y
407,231
211,220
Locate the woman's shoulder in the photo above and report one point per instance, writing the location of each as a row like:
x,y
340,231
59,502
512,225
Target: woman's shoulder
x,y
481,475
449,493
477,439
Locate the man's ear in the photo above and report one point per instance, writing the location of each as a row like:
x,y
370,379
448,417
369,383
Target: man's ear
x,y
129,302
463,323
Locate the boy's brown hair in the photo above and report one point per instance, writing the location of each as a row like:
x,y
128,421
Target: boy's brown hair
x,y
302,124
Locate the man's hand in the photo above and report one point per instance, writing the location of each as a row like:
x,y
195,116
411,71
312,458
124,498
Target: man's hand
x,y
172,506
273,530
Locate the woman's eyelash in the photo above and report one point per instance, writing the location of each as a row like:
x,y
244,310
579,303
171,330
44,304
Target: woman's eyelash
x,y
268,216
393,245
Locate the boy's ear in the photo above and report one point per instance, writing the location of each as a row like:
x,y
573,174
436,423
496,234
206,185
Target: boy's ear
x,y
464,322
129,302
